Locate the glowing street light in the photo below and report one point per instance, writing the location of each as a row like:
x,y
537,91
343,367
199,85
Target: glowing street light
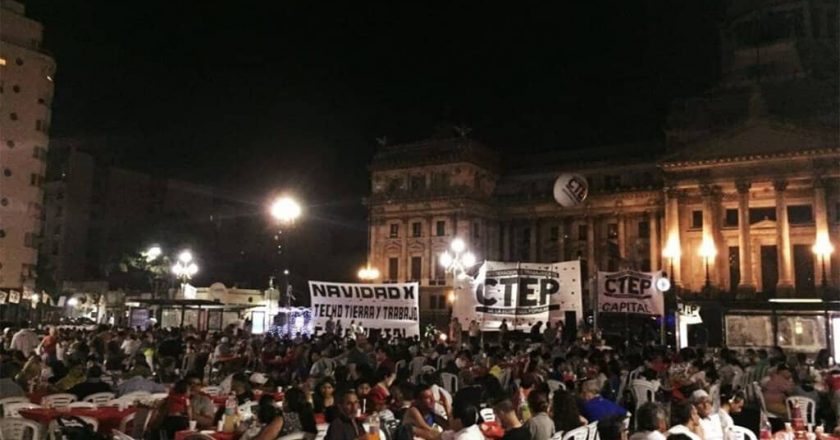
x,y
707,252
185,268
285,210
459,260
368,273
823,249
672,252
152,253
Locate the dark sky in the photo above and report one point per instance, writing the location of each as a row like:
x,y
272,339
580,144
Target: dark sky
x,y
258,95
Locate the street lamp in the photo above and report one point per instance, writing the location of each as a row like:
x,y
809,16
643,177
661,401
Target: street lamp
x,y
152,253
823,249
368,273
459,260
285,210
672,252
184,268
707,252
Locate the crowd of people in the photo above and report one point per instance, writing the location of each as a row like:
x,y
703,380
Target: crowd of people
x,y
508,385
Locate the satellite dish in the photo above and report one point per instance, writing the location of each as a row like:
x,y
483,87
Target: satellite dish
x,y
570,190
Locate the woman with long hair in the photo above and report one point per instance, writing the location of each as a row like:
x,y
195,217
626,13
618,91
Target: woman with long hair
x,y
298,413
324,399
565,411
269,422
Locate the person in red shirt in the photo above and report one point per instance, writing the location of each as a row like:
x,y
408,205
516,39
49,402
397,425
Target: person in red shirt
x,y
176,409
48,345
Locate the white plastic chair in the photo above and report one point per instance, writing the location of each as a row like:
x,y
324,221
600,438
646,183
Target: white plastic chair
x,y
714,396
7,400
293,436
554,385
643,391
90,405
126,420
212,390
581,433
61,400
592,429
806,405
18,428
741,433
504,380
399,365
100,398
13,409
488,415
427,369
450,382
557,435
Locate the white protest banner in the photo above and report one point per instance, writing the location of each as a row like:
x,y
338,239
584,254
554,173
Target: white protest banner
x,y
520,293
630,292
392,308
14,297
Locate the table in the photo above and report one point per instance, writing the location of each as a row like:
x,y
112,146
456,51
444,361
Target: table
x,y
181,435
108,417
221,399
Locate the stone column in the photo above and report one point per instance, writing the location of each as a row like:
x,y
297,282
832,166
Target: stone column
x,y
746,286
591,263
534,254
404,263
431,260
822,236
706,192
561,240
506,230
672,237
622,240
372,257
655,247
785,286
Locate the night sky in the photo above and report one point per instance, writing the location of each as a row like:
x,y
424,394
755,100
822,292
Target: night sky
x,y
255,96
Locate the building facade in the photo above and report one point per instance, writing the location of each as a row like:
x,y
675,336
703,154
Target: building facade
x,y
26,92
745,186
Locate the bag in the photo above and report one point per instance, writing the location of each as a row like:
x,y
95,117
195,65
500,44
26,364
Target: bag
x,y
75,428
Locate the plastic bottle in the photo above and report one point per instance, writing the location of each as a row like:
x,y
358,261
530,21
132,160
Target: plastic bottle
x,y
230,414
373,426
765,430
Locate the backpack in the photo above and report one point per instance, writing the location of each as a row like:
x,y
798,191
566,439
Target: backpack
x,y
75,428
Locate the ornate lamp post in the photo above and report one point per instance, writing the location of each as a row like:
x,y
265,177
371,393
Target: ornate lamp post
x,y
457,262
286,211
184,268
707,252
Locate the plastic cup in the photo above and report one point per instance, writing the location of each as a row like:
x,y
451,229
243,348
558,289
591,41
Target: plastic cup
x,y
193,425
279,389
220,426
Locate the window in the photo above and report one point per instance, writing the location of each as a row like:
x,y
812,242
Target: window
x,y
612,182
7,172
4,202
19,61
16,88
416,268
33,179
418,183
644,229
395,230
13,116
2,233
731,218
440,228
476,230
761,214
554,233
583,232
800,214
10,144
612,230
696,219
393,269
440,180
394,185
416,229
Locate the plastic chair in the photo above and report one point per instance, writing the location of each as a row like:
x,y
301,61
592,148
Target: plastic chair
x,y
806,405
488,415
81,405
126,420
119,435
212,390
592,429
449,382
643,391
557,435
100,398
554,385
399,365
293,436
741,433
504,380
581,433
198,436
13,409
8,400
53,428
61,400
17,429
714,396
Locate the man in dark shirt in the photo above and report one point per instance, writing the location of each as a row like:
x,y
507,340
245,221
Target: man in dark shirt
x,y
506,414
345,426
93,384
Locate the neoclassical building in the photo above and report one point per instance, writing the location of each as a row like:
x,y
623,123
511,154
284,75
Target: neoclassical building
x,y
744,185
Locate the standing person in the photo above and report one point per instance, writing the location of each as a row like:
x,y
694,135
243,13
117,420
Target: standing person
x,y
540,424
503,332
536,329
652,422
345,426
49,345
475,334
549,334
25,340
455,331
329,327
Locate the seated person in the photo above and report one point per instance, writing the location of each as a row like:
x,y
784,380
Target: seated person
x,y
93,384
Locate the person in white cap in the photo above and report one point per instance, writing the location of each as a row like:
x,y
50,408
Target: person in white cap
x,y
709,418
